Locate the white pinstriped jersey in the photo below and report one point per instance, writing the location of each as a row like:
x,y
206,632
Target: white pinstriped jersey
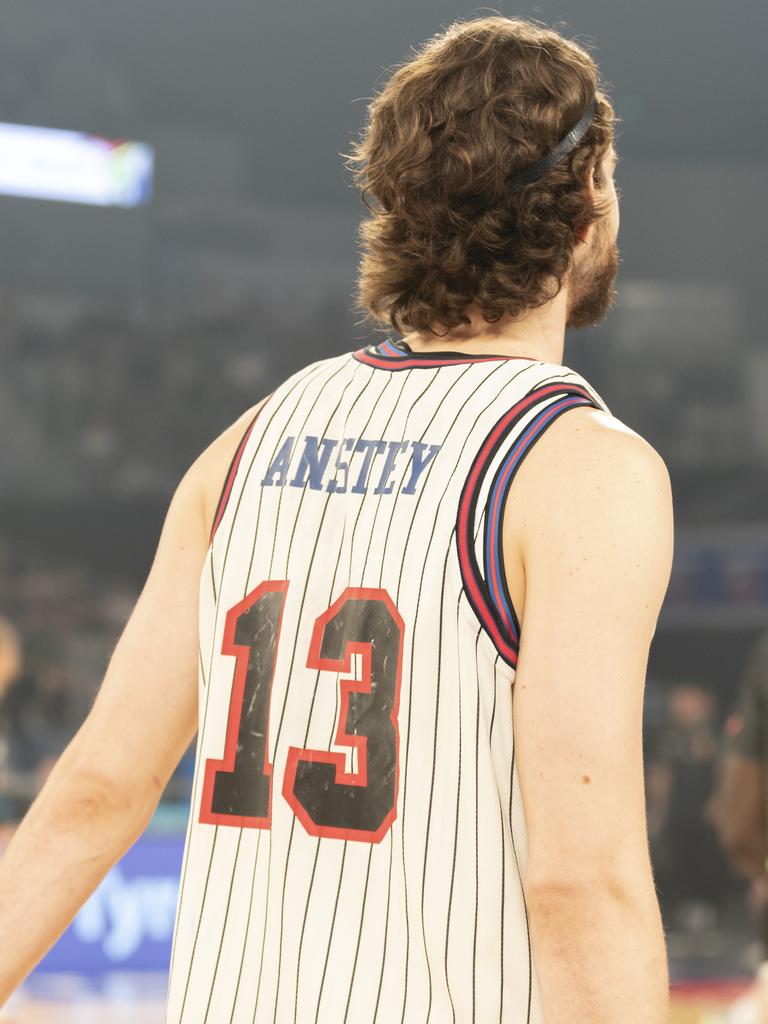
x,y
357,843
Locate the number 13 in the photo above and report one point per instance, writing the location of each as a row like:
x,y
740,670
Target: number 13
x,y
329,801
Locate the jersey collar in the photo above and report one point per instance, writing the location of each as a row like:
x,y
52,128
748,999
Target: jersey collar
x,y
398,355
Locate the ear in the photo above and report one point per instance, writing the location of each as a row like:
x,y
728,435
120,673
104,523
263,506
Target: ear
x,y
585,236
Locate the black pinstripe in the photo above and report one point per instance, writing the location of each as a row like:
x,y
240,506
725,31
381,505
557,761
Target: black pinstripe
x,y
342,367
282,714
455,832
368,379
477,815
522,890
226,915
333,921
362,576
503,854
245,591
210,555
494,398
309,377
333,588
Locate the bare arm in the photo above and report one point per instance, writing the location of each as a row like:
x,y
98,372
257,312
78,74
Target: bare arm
x,y
107,783
596,547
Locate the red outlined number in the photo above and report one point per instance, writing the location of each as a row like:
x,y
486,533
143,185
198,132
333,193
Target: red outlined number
x,y
237,790
327,799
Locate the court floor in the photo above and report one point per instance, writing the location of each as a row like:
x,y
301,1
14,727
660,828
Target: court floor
x,y
84,1012
67,1001
99,1012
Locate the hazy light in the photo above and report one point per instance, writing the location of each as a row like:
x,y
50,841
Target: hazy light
x,y
74,167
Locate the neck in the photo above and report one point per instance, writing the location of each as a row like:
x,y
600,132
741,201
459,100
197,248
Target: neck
x,y
538,333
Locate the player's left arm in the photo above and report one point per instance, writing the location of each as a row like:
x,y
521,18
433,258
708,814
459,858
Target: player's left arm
x,y
106,785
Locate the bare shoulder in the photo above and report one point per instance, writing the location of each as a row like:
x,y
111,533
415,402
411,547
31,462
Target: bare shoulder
x,y
205,478
589,458
584,438
592,494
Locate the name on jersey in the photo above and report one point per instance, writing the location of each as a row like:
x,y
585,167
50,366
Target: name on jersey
x,y
350,464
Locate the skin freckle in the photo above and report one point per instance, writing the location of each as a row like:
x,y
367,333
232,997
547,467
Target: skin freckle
x,y
586,779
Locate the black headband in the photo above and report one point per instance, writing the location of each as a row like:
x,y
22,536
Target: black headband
x,y
564,146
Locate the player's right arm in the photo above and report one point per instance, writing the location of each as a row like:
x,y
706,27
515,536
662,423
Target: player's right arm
x,y
106,785
590,519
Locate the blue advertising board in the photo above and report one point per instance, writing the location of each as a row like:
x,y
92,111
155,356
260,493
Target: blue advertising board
x,y
127,924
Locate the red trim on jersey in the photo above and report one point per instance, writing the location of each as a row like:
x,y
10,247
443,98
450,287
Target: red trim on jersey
x,y
342,738
387,356
494,565
241,653
474,584
232,473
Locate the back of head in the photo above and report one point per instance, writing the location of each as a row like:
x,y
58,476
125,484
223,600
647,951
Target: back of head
x,y
478,103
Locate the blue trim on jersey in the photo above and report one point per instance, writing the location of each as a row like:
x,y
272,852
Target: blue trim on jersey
x,y
387,347
496,499
388,355
477,586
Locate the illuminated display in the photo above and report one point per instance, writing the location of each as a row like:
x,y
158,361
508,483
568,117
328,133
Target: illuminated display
x,y
74,167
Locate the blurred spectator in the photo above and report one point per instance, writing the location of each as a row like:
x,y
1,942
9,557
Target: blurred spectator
x,y
690,870
10,668
40,712
10,655
739,804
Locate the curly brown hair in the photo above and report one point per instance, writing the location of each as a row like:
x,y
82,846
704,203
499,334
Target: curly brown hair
x,y
478,102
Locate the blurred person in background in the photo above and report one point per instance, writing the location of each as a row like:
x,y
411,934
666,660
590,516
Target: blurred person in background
x,y
739,803
39,712
10,670
738,810
690,869
10,655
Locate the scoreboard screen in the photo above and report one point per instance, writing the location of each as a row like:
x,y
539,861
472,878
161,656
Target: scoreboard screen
x,y
74,167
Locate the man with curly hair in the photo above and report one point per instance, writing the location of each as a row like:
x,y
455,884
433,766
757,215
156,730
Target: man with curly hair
x,y
417,688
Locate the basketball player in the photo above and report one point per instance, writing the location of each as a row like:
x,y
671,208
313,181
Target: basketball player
x,y
411,629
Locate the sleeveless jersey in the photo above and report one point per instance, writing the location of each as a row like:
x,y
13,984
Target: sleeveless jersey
x,y
357,847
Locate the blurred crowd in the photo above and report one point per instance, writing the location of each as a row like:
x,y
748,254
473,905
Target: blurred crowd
x,y
106,399
56,635
57,632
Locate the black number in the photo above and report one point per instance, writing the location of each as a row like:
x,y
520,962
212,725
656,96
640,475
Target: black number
x,y
237,790
329,800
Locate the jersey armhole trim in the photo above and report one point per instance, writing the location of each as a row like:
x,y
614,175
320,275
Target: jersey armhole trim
x,y
486,588
234,465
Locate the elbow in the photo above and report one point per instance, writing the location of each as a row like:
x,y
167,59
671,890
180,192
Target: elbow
x,y
551,897
86,796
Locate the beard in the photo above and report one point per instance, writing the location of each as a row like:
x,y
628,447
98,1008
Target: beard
x,y
591,293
